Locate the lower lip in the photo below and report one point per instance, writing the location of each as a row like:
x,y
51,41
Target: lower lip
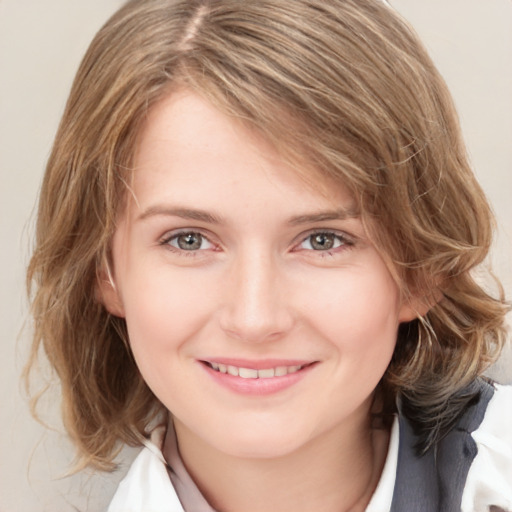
x,y
257,387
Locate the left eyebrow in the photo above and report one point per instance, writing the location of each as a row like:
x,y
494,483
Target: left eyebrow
x,y
341,214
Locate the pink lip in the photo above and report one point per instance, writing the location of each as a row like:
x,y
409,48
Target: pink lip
x,y
257,387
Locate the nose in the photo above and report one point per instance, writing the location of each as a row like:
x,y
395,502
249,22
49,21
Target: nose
x,y
257,306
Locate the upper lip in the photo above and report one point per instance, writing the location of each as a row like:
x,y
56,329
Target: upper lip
x,y
261,364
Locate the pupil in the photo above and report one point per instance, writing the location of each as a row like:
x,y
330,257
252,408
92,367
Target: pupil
x,y
322,242
189,241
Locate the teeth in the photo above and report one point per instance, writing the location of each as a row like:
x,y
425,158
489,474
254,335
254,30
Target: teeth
x,y
233,370
266,374
249,373
281,370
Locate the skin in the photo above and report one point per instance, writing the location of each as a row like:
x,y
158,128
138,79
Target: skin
x,y
257,287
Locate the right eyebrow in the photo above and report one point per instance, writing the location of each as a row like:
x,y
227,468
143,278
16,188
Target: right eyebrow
x,y
184,213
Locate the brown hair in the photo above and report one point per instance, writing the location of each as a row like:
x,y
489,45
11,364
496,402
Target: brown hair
x,y
369,110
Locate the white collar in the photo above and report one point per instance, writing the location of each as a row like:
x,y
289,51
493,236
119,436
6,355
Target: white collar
x,y
383,495
147,485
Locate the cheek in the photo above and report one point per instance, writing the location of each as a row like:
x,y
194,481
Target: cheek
x,y
357,310
359,319
163,310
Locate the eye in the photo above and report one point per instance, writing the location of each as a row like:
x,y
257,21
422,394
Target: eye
x,y
324,241
189,241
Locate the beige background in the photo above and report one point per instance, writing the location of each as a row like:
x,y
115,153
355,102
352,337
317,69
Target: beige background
x,y
41,43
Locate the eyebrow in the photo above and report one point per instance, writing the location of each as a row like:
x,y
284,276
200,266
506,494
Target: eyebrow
x,y
339,214
210,218
184,213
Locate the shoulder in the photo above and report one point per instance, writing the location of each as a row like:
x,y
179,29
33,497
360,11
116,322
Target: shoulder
x,y
147,485
470,468
489,480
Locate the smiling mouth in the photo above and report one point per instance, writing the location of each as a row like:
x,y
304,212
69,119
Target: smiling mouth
x,y
251,373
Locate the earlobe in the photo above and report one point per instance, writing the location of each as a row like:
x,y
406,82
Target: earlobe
x,y
416,307
107,292
410,311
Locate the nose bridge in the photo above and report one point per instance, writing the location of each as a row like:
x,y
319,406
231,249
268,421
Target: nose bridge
x,y
257,308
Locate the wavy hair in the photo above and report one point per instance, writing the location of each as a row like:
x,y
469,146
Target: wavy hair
x,y
368,109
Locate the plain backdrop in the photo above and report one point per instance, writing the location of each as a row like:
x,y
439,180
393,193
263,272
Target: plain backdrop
x,y
41,44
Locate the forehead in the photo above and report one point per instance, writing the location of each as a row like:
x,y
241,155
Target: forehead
x,y
188,143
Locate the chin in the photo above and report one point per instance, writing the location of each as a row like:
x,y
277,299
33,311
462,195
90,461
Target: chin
x,y
260,443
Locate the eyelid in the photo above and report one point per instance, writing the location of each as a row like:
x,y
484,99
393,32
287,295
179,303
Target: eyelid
x,y
170,235
348,240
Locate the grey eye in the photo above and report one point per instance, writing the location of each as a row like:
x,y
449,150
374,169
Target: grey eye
x,y
323,241
188,241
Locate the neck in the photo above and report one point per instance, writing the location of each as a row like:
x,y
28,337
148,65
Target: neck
x,y
335,472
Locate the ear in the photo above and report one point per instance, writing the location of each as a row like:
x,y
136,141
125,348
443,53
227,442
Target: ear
x,y
107,292
418,306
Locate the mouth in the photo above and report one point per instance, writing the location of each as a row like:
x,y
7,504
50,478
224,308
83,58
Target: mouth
x,y
257,378
253,373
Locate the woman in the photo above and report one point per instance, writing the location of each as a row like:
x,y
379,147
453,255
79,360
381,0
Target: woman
x,y
255,242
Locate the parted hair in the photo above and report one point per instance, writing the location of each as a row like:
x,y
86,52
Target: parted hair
x,y
342,88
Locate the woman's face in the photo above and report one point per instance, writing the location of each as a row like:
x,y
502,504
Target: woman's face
x,y
226,261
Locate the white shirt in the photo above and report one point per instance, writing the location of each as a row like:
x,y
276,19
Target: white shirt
x,y
147,486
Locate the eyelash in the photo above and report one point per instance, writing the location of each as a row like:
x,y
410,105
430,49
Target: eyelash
x,y
167,239
344,242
